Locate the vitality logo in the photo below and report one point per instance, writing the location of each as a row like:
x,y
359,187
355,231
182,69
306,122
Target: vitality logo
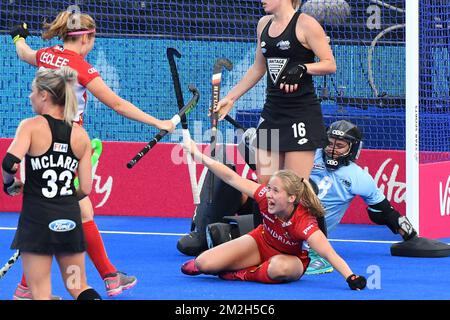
x,y
444,198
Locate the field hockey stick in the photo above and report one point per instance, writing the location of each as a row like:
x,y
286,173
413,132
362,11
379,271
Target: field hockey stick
x,y
97,147
171,54
248,153
216,80
9,264
175,120
235,124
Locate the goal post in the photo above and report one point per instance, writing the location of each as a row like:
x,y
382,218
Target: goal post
x,y
428,116
412,113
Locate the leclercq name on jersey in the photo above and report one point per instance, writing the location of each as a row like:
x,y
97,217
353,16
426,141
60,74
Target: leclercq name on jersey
x,y
53,60
54,161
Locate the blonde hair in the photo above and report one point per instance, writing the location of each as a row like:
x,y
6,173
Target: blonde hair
x,y
59,84
302,190
295,4
65,22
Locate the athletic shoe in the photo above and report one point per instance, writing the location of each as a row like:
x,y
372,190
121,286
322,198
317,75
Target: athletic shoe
x,y
318,265
24,293
115,283
233,275
190,268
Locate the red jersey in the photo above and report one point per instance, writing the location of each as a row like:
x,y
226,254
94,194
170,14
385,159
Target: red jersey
x,y
57,57
286,237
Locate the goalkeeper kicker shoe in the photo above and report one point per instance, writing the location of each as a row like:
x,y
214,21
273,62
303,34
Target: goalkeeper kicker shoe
x,y
318,265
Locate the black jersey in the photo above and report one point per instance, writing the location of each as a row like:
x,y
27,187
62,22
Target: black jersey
x,y
282,53
51,174
50,219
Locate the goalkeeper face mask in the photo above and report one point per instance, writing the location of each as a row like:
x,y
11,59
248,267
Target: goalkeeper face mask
x,y
344,144
337,148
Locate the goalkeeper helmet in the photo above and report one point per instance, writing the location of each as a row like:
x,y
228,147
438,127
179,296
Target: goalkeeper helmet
x,y
346,131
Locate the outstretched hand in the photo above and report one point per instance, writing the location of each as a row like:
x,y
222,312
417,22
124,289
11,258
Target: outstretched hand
x,y
356,282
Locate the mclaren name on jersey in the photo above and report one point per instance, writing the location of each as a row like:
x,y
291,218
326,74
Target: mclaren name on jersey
x,y
54,161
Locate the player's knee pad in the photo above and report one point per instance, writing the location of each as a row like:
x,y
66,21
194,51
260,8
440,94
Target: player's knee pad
x,y
9,163
192,244
89,294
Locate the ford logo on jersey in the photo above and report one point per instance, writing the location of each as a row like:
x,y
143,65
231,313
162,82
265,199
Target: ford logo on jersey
x,y
62,225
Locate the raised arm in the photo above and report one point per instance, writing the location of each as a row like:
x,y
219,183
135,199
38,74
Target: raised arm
x,y
227,175
19,33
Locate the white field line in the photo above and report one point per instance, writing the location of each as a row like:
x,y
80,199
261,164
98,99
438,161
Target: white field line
x,y
182,234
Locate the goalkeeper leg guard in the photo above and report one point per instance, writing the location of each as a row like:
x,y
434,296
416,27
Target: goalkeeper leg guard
x,y
192,244
218,233
384,214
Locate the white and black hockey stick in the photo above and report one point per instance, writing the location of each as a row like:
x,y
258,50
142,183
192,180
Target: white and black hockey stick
x,y
9,264
171,54
175,120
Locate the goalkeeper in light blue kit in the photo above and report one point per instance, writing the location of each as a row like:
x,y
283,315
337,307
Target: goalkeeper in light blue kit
x,y
340,179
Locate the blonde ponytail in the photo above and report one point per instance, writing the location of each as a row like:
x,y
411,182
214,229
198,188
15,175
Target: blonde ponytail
x,y
311,200
60,84
296,4
66,22
71,104
302,190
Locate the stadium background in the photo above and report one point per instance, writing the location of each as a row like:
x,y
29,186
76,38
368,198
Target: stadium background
x,y
130,54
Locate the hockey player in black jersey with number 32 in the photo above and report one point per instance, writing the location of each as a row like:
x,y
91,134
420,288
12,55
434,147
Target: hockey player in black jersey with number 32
x,y
55,150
